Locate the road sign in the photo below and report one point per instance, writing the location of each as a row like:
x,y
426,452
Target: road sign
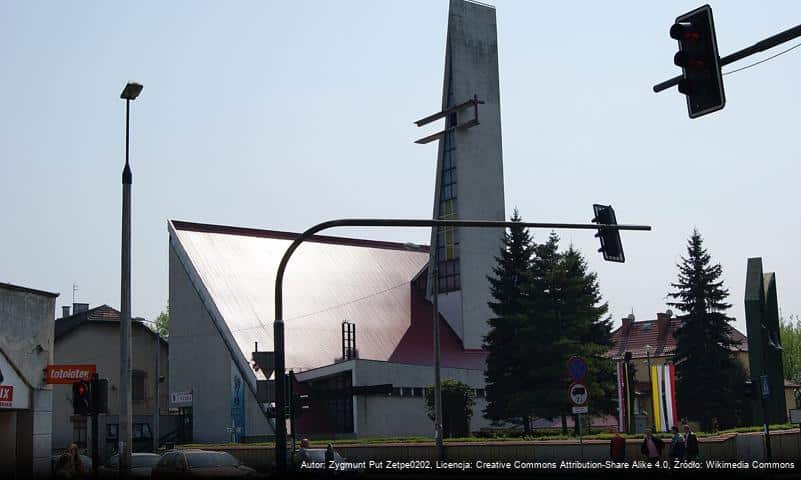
x,y
578,394
576,368
181,398
583,409
765,386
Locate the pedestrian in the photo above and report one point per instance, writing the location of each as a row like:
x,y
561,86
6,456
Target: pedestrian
x,y
651,446
70,465
677,446
302,454
329,457
690,443
617,447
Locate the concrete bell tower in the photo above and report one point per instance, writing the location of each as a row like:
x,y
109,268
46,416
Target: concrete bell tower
x,y
469,183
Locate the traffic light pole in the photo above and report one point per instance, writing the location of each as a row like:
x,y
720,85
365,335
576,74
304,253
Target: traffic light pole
x,y
760,46
278,322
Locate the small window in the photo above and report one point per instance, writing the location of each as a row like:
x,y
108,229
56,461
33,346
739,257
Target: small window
x,y
138,386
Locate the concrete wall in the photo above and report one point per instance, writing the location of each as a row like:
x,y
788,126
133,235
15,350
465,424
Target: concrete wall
x,y
392,416
200,362
104,340
26,323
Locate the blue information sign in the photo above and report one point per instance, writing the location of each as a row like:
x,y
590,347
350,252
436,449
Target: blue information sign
x,y
576,368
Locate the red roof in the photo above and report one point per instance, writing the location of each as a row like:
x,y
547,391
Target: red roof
x,y
662,341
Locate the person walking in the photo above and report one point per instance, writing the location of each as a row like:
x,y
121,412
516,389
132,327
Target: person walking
x,y
652,446
690,443
617,447
677,446
70,465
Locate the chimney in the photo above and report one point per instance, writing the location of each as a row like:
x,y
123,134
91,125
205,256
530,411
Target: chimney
x,y
65,311
662,320
628,320
79,307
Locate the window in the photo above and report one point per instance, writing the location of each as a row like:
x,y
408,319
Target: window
x,y
138,385
79,430
447,241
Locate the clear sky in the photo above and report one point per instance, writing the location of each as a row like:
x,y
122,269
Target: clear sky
x,y
283,114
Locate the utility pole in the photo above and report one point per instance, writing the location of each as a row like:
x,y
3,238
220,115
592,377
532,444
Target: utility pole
x,y
156,380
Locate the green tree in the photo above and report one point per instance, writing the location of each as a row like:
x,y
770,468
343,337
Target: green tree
x,y
507,359
163,323
790,335
705,365
458,400
545,335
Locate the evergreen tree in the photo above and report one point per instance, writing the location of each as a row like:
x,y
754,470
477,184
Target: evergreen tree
x,y
705,366
544,334
506,359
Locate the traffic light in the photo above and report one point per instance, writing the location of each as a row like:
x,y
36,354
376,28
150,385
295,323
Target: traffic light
x,y
750,390
81,398
610,238
99,394
702,81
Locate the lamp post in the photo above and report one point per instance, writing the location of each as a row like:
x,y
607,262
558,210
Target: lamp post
x,y
434,268
650,386
130,92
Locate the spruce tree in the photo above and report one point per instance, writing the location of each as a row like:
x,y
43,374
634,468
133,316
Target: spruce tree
x,y
506,361
544,335
705,365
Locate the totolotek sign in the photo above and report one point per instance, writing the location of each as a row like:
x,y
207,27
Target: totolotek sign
x,y
69,373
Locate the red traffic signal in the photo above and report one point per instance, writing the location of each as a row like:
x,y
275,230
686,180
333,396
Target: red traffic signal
x,y
702,80
81,398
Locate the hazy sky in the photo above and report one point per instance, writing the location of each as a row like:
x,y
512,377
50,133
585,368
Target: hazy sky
x,y
283,114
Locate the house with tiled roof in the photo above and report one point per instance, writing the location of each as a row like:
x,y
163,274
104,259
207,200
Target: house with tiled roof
x,y
652,342
90,336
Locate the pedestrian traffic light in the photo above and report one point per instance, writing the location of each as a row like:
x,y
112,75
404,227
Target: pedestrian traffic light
x,y
702,81
611,246
750,390
81,398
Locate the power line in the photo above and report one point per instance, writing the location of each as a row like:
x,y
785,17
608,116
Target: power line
x,y
763,60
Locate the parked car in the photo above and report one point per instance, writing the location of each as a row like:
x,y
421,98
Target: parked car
x,y
141,465
200,463
85,461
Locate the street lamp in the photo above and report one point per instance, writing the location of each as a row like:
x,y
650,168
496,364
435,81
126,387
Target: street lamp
x,y
650,386
130,92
